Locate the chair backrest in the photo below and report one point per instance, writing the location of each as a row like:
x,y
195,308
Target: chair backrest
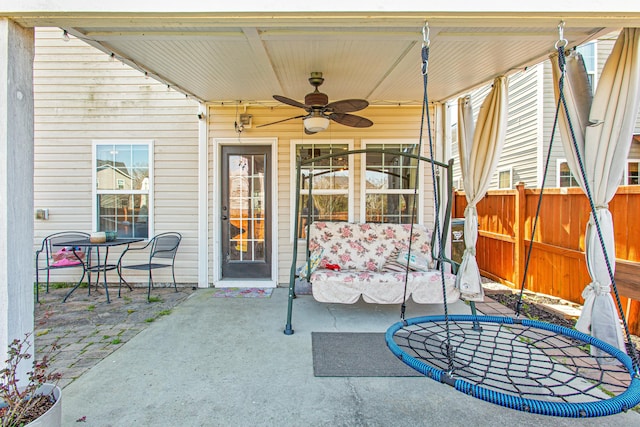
x,y
165,245
50,243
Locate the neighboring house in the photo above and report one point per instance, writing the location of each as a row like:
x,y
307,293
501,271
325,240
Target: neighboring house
x,y
530,122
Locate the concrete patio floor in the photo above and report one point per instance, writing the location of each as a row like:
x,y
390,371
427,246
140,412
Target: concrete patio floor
x,y
225,361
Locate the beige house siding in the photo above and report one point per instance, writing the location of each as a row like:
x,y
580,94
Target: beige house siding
x,y
390,123
81,96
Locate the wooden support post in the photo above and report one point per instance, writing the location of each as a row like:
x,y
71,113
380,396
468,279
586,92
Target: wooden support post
x,y
519,231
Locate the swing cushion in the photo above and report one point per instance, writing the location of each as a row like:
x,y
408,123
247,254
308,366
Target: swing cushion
x,y
367,246
346,287
370,256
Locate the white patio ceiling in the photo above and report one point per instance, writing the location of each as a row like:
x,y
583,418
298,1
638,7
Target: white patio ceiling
x,y
249,57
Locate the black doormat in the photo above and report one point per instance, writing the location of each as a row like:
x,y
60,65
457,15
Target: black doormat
x,y
355,354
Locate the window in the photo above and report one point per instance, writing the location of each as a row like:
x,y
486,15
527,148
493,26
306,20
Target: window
x,y
588,52
565,177
390,182
331,180
122,176
631,173
504,178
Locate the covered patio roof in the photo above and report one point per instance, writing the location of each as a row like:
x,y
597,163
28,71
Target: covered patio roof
x,y
214,54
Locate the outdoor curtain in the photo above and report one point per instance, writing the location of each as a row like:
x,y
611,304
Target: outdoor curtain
x,y
603,139
479,152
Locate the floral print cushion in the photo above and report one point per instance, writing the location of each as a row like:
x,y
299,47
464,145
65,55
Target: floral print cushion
x,y
366,247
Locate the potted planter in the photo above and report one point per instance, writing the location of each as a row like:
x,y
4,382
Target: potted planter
x,y
24,405
53,417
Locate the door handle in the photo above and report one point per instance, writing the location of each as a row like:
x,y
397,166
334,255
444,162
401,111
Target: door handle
x,y
224,217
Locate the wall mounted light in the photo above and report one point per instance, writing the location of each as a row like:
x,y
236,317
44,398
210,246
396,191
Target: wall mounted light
x,y
42,214
245,120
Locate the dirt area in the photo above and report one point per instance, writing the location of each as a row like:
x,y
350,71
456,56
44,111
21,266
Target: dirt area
x,y
532,307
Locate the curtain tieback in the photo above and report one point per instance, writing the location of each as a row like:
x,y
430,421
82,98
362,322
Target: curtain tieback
x,y
470,210
595,288
470,251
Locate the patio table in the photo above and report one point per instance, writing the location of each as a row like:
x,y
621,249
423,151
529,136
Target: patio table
x,y
102,266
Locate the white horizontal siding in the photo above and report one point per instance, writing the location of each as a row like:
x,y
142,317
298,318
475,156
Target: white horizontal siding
x,y
81,96
520,146
603,50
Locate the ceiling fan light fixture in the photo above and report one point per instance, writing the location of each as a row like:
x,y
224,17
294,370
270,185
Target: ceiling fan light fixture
x,y
316,124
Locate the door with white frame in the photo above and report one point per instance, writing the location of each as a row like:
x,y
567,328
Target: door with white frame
x,y
245,213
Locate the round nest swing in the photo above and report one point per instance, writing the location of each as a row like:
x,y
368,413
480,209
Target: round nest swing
x,y
523,364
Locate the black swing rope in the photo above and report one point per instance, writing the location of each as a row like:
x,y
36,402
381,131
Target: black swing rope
x,y
521,364
425,116
562,103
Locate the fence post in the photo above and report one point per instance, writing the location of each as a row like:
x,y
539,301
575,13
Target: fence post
x,y
453,203
519,231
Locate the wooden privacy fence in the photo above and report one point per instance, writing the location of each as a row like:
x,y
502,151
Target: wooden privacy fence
x,y
557,266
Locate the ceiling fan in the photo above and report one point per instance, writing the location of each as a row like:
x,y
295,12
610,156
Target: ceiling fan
x,y
320,111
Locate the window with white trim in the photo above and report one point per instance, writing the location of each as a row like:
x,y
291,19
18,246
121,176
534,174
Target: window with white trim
x,y
589,55
631,176
390,181
505,178
330,180
123,179
564,176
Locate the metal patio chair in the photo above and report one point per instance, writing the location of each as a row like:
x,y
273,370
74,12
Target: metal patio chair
x,y
52,256
162,250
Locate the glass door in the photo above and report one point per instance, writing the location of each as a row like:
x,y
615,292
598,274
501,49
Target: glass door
x,y
245,216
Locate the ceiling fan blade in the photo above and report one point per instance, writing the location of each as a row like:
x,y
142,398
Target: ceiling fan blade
x,y
347,105
280,121
350,120
290,101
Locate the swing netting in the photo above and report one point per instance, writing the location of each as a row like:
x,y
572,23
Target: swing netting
x,y
521,364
